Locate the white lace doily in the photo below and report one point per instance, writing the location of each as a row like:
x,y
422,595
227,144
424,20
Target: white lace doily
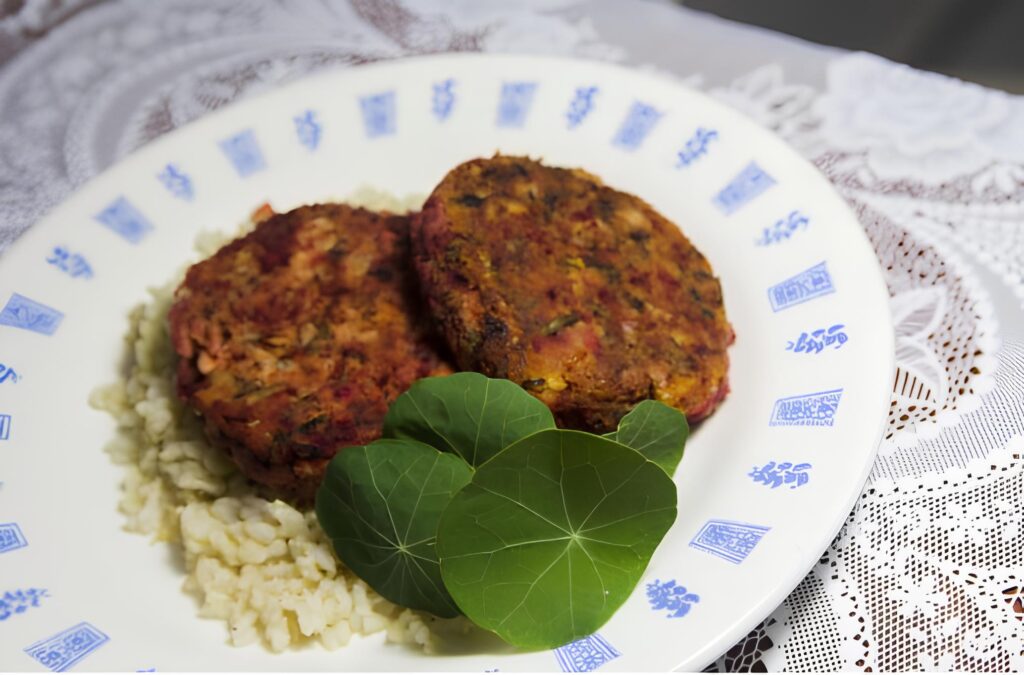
x,y
927,572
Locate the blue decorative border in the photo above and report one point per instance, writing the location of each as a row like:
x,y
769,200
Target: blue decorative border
x,y
696,147
748,184
244,153
585,654
11,537
783,229
812,283
816,341
126,220
443,99
308,129
27,314
668,595
729,540
63,650
177,182
514,104
73,264
6,373
581,105
640,120
19,601
775,474
380,117
807,410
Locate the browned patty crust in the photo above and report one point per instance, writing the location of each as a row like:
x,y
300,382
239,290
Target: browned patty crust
x,y
294,339
586,296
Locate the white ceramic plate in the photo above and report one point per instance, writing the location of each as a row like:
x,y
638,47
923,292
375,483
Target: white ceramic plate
x,y
792,259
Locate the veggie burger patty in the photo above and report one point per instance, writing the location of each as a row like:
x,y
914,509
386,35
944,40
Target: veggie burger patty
x,y
586,296
294,339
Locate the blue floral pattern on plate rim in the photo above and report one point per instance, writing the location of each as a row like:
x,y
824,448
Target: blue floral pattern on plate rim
x,y
515,108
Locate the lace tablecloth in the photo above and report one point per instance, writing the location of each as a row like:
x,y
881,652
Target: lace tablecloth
x,y
928,572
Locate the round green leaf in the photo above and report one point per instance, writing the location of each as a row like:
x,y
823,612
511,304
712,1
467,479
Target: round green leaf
x,y
552,535
466,413
380,505
656,431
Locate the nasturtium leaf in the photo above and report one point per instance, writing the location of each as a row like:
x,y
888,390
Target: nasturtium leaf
x,y
551,536
380,505
656,431
466,413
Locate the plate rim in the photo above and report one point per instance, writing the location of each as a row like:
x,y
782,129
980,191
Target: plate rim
x,y
769,601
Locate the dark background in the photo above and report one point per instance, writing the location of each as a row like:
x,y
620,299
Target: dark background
x,y
979,40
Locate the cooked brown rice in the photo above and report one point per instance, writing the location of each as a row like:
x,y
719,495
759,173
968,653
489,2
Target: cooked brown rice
x,y
262,566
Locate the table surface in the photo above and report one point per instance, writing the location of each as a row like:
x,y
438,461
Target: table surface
x,y
928,572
